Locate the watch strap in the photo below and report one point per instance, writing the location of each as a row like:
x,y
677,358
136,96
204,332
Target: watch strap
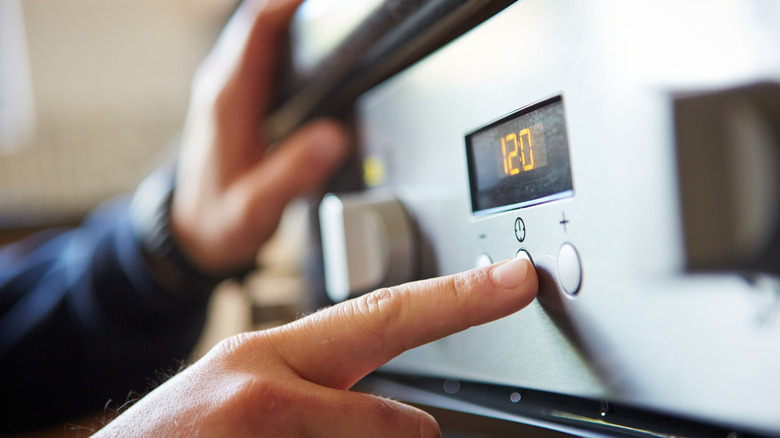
x,y
172,267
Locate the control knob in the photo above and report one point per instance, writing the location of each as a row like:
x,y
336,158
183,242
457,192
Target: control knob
x,y
368,241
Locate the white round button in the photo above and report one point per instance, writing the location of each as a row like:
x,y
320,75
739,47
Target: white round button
x,y
523,254
569,269
484,260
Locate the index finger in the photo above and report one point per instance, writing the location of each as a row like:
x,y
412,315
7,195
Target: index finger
x,y
338,346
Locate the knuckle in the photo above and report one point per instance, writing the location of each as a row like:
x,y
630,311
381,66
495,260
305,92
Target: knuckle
x,y
231,345
462,284
379,310
380,305
278,403
267,392
237,346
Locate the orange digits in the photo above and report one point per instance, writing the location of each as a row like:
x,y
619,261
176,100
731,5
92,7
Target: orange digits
x,y
509,169
527,165
526,158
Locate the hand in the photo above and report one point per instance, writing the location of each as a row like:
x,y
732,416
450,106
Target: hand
x,y
294,380
231,189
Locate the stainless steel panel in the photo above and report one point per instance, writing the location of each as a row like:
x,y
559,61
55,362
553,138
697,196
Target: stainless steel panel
x,y
642,329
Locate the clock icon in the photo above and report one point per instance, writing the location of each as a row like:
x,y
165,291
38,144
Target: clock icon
x,y
520,229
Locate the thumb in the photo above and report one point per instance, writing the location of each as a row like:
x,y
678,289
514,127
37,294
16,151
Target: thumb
x,y
346,414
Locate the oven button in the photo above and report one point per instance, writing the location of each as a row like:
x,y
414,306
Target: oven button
x,y
569,269
484,260
523,254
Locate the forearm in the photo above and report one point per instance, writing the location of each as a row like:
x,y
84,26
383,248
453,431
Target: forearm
x,y
83,320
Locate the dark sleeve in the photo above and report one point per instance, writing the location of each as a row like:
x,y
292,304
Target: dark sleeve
x,y
83,322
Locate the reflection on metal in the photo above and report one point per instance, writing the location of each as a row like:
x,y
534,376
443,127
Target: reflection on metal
x,y
615,427
393,35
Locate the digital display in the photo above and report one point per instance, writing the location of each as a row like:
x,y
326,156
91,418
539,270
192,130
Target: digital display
x,y
520,160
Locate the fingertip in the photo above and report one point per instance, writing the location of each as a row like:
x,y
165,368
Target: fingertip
x,y
425,424
429,427
517,280
511,274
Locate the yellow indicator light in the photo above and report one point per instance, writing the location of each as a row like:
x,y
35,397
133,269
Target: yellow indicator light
x,y
373,171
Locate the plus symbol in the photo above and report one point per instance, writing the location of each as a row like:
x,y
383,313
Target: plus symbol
x,y
564,222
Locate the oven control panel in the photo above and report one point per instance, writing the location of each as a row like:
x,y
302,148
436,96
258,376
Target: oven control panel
x,y
632,151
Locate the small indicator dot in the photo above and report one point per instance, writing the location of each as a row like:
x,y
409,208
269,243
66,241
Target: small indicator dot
x,y
451,386
373,171
515,397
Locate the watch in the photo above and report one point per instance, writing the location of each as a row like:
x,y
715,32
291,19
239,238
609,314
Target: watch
x,y
170,265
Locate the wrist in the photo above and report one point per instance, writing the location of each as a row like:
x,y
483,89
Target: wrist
x,y
170,265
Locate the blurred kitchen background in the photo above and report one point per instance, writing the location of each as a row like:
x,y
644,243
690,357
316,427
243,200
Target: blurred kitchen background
x,y
92,96
109,84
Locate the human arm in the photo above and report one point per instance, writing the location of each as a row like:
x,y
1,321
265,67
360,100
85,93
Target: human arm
x,y
295,380
83,321
86,314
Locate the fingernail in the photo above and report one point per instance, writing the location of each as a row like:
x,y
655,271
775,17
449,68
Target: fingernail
x,y
511,274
